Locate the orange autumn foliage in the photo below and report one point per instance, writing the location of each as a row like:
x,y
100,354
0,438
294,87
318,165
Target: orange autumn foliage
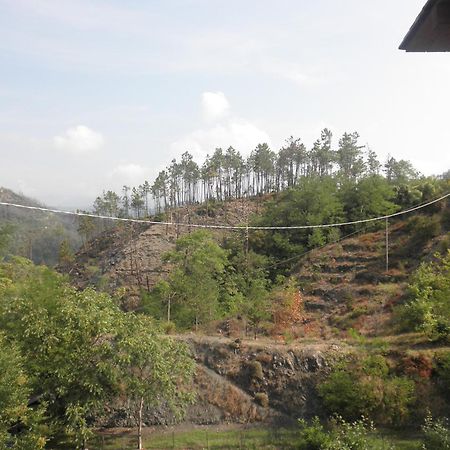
x,y
287,308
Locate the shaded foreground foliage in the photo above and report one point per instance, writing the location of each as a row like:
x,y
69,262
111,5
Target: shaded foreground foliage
x,y
70,352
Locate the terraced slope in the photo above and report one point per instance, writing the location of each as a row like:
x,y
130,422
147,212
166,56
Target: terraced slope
x,y
346,285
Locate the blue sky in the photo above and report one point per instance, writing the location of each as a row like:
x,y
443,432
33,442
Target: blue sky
x,y
97,94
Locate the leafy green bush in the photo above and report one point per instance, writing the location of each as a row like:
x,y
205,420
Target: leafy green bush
x,y
429,309
15,391
312,436
398,395
342,395
343,435
365,388
436,434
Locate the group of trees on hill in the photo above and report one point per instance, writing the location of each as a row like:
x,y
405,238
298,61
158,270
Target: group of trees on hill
x,y
210,282
329,200
227,174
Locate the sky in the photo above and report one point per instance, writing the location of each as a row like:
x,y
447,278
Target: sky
x,y
95,94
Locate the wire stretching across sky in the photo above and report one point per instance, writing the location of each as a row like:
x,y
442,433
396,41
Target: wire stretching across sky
x,y
228,227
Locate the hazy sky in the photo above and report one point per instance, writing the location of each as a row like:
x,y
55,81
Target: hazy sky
x,y
96,94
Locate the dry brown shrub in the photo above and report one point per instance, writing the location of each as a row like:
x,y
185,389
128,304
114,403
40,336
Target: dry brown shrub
x,y
418,366
262,399
288,309
264,358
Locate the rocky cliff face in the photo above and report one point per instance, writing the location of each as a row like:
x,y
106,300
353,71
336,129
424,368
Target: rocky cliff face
x,y
246,382
283,376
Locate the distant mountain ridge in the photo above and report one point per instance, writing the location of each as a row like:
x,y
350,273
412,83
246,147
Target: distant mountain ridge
x,y
9,196
36,235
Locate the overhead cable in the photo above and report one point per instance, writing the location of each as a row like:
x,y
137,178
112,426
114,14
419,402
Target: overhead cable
x,y
226,227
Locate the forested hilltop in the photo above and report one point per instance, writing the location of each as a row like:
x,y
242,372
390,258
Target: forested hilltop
x,y
297,282
226,174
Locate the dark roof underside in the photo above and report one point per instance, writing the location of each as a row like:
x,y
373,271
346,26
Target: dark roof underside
x,y
431,30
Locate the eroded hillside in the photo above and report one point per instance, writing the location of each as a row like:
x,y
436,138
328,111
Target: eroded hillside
x,y
130,255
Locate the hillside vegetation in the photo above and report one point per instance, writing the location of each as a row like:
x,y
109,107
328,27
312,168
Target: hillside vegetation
x,y
281,324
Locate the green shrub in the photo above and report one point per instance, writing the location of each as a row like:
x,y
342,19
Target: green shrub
x,y
399,394
169,327
429,309
312,436
375,365
436,434
341,394
351,435
343,435
365,388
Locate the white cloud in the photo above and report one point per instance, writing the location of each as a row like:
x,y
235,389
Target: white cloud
x,y
214,105
238,133
129,173
226,130
78,140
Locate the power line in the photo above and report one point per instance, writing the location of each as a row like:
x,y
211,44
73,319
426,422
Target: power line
x,y
284,261
301,255
227,227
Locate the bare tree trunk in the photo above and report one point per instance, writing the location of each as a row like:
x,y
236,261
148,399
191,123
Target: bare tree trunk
x,y
141,408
